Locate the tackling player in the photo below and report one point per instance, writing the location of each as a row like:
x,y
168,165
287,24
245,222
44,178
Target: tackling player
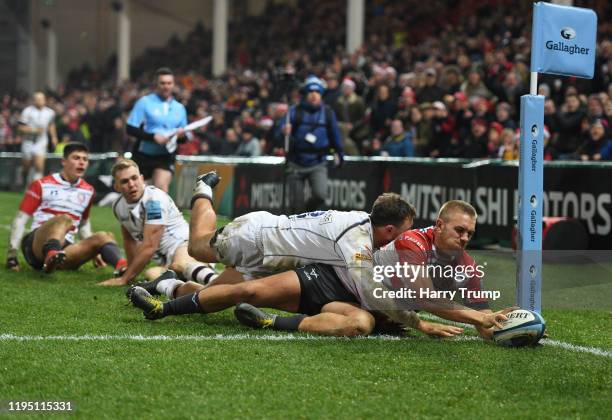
x,y
152,228
60,204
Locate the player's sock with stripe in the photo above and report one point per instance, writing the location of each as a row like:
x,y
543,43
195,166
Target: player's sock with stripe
x,y
200,273
111,254
168,286
288,323
188,304
51,245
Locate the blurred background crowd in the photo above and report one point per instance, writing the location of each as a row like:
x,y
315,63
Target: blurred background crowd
x,y
433,79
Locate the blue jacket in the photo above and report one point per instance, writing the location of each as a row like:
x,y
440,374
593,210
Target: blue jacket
x,y
606,151
399,147
309,153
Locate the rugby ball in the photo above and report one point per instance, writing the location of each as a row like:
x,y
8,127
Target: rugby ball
x,y
523,328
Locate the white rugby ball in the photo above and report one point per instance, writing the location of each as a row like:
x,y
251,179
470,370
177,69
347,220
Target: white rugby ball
x,y
523,328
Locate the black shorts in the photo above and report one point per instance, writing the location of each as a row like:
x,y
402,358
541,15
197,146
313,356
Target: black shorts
x,y
148,164
320,285
27,248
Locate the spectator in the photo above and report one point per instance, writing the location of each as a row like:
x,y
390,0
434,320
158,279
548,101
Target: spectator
x,y
399,143
383,111
475,145
569,125
430,92
350,110
249,146
509,146
597,141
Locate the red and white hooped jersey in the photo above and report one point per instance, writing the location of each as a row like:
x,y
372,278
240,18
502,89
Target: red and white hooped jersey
x,y
52,195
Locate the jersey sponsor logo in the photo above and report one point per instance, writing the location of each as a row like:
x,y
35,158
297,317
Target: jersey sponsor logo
x,y
360,256
153,210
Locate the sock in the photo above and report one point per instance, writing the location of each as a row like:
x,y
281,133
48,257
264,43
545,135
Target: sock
x,y
288,323
200,273
188,304
111,254
121,263
168,286
51,245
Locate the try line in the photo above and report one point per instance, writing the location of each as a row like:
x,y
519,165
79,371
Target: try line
x,y
284,337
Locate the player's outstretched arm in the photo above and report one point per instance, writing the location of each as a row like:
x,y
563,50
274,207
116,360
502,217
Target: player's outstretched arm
x,y
144,252
129,244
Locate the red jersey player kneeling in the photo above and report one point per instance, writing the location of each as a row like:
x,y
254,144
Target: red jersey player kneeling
x,y
60,204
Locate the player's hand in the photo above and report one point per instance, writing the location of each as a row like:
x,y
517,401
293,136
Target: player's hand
x,y
160,139
180,132
439,330
496,319
12,264
117,281
98,262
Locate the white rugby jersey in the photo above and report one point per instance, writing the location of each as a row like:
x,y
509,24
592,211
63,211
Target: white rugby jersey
x,y
328,237
52,195
155,207
37,118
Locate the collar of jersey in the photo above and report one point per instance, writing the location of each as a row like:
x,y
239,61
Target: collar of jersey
x,y
62,181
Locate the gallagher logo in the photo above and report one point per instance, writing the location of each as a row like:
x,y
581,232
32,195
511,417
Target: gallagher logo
x,y
568,33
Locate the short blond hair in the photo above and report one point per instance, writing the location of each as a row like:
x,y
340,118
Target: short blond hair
x,y
456,205
122,164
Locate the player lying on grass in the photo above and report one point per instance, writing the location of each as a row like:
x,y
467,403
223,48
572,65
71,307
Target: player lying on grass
x,y
440,247
315,290
60,204
321,302
152,228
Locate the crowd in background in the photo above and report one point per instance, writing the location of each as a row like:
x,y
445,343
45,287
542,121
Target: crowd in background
x,y
433,79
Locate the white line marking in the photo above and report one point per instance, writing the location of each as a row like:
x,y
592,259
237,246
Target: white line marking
x,y
284,337
572,347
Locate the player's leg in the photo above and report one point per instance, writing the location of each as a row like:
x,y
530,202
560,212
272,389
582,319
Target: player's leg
x,y
339,319
152,273
39,165
191,269
49,237
280,291
295,188
161,178
317,177
102,243
202,226
26,164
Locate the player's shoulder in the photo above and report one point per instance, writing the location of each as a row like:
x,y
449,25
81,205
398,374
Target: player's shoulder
x,y
353,217
119,207
151,192
51,179
415,238
84,185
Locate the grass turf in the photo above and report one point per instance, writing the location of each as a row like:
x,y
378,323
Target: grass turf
x,y
415,377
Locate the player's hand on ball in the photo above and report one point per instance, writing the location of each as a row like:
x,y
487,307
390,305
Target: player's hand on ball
x,y
496,319
439,330
117,281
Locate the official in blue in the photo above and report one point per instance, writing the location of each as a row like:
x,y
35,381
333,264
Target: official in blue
x,y
314,134
154,119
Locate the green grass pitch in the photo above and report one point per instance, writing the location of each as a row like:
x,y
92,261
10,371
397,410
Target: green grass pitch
x,y
221,370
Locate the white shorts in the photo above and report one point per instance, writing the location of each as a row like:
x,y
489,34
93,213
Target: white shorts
x,y
31,148
239,245
170,242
